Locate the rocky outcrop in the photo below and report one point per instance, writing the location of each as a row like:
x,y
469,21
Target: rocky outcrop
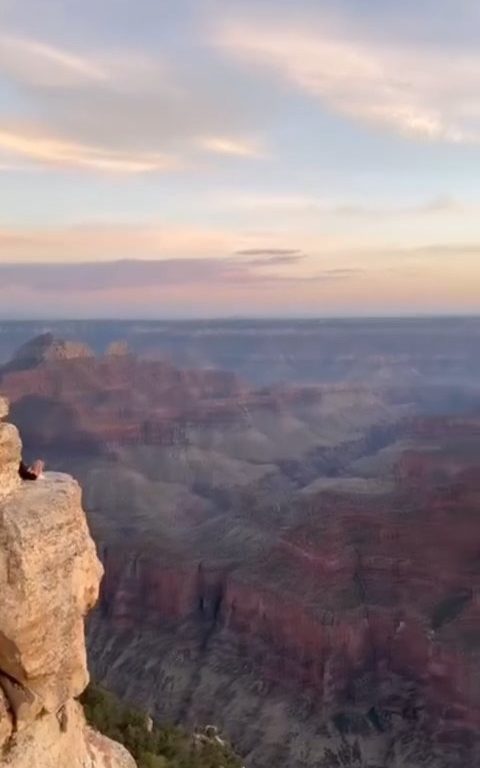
x,y
117,349
49,580
46,348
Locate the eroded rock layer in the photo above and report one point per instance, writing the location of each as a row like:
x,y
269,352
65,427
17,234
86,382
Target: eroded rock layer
x,y
299,565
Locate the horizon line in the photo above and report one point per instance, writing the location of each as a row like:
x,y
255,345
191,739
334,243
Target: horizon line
x,y
244,318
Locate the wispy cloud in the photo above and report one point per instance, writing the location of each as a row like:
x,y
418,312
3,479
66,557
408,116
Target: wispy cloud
x,y
445,249
135,273
423,92
271,257
266,252
437,205
40,63
52,151
223,145
89,242
116,108
293,205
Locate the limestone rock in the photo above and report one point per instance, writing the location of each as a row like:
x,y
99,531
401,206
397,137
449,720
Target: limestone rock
x,y
6,720
46,744
49,579
24,704
4,407
10,454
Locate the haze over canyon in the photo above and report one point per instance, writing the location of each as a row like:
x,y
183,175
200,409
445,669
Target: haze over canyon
x,y
287,515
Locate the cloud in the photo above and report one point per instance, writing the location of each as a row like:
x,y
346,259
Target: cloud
x,y
51,151
269,252
133,274
223,145
438,205
211,286
39,63
310,205
111,242
15,167
344,272
446,249
426,92
271,257
117,108
443,204
75,96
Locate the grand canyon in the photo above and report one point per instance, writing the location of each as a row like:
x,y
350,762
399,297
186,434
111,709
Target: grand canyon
x,y
287,515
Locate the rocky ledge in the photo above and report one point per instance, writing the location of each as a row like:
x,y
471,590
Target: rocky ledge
x,y
49,580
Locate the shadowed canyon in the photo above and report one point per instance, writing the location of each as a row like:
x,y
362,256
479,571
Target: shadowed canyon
x,y
288,518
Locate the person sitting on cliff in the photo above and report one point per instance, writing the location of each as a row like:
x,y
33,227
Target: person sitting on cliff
x,y
32,472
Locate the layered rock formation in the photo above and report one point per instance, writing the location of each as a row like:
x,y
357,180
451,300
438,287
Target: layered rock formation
x,y
299,565
47,348
49,580
341,627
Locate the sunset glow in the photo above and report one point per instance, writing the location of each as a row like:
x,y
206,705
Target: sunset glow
x,y
210,158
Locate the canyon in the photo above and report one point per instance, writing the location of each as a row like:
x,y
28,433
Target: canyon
x,y
298,563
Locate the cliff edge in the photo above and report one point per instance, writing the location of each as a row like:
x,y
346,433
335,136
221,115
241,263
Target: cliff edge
x,y
49,580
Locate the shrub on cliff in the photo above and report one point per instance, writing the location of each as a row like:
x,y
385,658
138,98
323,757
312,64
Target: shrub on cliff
x,y
153,746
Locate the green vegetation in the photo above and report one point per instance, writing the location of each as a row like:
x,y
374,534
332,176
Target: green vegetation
x,y
153,746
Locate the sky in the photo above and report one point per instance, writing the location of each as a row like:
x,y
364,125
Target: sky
x,y
206,158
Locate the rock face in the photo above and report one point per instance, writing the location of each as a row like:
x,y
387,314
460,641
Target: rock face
x,y
9,453
49,580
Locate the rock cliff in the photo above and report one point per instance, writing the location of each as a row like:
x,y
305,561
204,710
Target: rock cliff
x,y
49,580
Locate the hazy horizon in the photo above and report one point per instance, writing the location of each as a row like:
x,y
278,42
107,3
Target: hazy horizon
x,y
189,319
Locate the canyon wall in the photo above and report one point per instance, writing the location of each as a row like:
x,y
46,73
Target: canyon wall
x,y
349,637
359,644
49,580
